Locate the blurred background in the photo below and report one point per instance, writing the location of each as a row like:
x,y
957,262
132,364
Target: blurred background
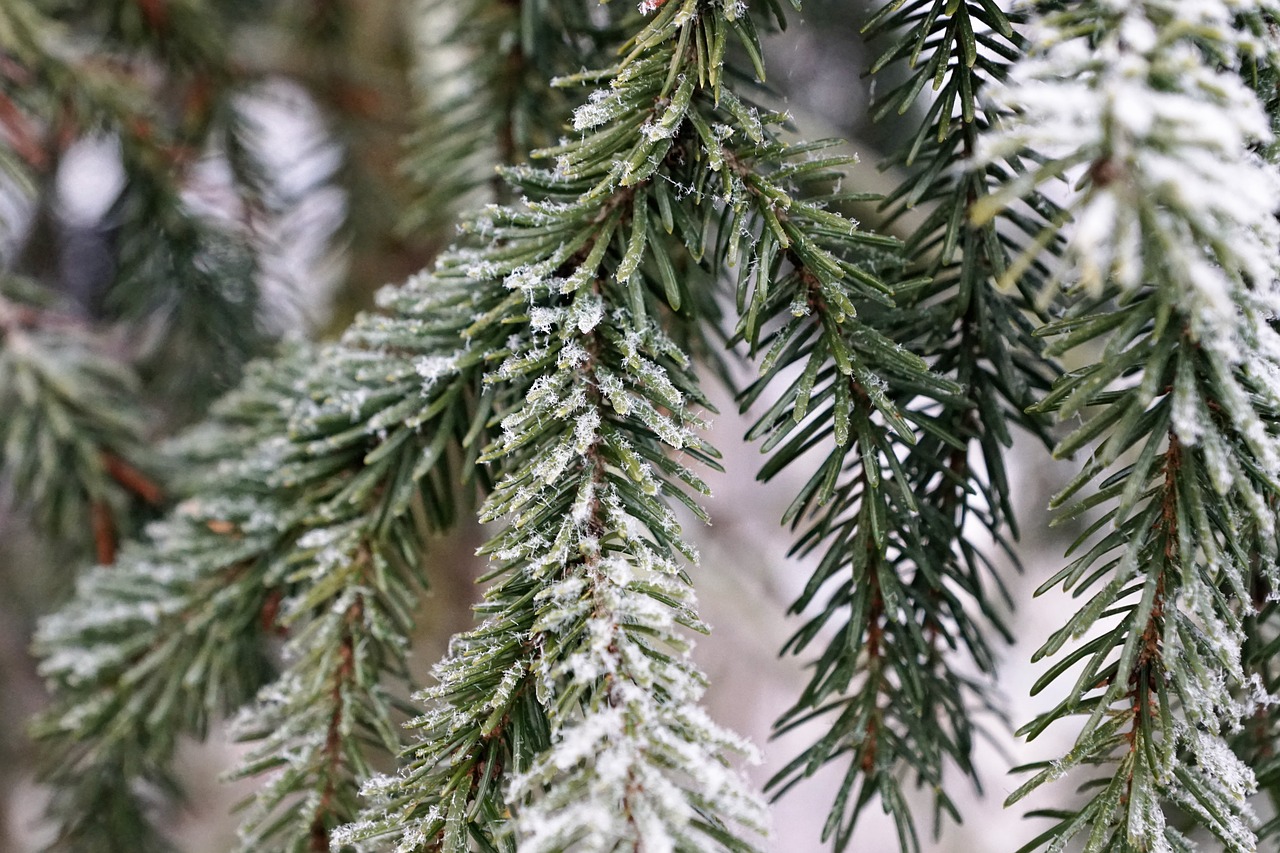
x,y
285,126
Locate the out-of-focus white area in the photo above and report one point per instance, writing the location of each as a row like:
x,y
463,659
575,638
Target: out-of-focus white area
x,y
303,267
300,214
90,177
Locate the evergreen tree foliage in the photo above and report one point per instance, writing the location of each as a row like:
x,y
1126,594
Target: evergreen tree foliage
x,y
73,430
185,278
1090,181
893,523
1176,282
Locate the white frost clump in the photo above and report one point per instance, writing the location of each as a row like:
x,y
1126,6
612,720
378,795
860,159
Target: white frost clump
x,y
1167,135
432,368
645,749
1178,198
601,107
635,759
587,312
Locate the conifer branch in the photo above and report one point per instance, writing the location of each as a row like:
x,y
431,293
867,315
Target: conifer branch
x,y
348,616
547,365
187,279
575,699
71,441
888,679
1175,281
208,584
120,657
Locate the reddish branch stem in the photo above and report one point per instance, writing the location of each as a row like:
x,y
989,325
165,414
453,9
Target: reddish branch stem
x,y
1145,675
319,835
132,479
104,532
155,13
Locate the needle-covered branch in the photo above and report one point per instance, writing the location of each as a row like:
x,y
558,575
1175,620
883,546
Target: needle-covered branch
x,y
306,450
548,369
936,367
71,441
575,700
1174,283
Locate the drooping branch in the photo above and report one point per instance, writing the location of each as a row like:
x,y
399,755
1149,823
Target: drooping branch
x,y
1172,281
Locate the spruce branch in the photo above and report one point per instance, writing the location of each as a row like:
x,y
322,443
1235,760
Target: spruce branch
x,y
377,472
187,279
71,445
891,502
547,365
120,659
1175,281
307,451
120,656
392,454
348,616
575,699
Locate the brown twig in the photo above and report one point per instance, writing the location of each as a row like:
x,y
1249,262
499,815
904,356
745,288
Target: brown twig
x,y
132,479
104,532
